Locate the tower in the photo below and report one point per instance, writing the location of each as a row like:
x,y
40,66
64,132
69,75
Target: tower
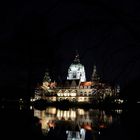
x,y
76,70
47,77
95,76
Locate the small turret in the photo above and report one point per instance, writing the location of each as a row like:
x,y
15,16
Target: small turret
x,y
47,77
95,76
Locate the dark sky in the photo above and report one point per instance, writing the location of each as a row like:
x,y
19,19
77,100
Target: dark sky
x,y
36,35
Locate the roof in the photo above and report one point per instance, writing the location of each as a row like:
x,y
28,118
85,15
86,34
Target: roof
x,y
69,83
88,83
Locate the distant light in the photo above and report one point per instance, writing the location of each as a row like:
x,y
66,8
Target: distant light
x,y
31,107
20,100
32,99
138,102
20,107
120,101
119,111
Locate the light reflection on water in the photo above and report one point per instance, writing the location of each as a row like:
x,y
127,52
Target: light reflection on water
x,y
90,119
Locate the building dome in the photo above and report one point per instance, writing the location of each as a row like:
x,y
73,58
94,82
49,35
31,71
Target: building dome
x,y
76,70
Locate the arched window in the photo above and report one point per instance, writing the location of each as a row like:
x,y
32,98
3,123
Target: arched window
x,y
74,99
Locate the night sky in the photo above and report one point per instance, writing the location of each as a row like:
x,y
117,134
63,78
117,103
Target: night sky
x,y
40,35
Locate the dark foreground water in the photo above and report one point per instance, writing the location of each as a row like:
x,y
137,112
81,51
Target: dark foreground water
x,y
92,121
60,123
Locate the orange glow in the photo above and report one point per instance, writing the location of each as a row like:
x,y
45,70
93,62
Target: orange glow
x,y
87,127
53,84
51,124
102,126
87,83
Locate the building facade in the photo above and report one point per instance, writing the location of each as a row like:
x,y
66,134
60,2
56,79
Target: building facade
x,y
75,88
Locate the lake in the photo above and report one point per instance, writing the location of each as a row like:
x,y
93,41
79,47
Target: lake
x,y
94,122
27,122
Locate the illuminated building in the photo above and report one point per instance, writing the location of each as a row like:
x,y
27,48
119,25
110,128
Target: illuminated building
x,y
76,88
76,70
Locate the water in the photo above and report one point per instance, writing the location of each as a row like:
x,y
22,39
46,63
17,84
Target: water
x,y
65,124
72,121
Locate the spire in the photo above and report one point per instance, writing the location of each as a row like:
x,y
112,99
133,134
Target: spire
x,y
77,60
95,76
47,77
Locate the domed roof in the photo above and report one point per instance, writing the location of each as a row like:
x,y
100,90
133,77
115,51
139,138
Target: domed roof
x,y
76,70
76,66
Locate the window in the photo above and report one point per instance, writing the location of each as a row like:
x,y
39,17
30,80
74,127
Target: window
x,y
74,75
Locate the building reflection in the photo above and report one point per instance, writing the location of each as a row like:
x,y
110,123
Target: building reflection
x,y
92,119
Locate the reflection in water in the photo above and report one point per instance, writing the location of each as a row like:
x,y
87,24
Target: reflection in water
x,y
91,119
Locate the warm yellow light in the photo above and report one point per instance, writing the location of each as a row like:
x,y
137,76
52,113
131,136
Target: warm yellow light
x,y
81,111
73,94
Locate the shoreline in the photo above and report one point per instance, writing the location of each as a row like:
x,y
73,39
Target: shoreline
x,y
61,104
